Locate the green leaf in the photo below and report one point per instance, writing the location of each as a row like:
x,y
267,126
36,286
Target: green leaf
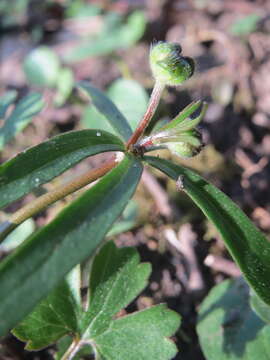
x,y
228,328
127,220
54,317
36,267
123,92
64,85
245,25
111,38
260,307
106,107
18,235
42,66
20,117
43,162
116,279
247,245
5,101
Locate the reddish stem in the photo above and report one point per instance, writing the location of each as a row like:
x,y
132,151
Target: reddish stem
x,y
152,106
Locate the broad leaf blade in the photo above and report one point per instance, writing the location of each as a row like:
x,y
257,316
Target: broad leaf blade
x,y
36,267
20,117
106,107
228,328
247,245
54,317
142,335
47,160
117,278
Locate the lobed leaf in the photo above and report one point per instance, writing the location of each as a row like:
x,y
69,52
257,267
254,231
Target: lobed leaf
x,y
43,162
247,245
38,265
20,117
228,329
106,107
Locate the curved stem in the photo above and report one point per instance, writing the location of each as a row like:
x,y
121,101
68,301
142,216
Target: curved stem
x,y
51,197
152,106
72,350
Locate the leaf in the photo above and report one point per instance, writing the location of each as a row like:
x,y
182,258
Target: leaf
x,y
106,107
18,235
41,67
36,267
247,245
228,329
245,25
260,307
122,92
43,162
127,220
111,39
64,85
20,117
5,101
54,317
116,279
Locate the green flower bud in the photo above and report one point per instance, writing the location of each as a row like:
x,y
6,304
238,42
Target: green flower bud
x,y
167,64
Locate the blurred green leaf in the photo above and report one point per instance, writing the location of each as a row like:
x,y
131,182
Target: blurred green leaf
x,y
107,108
123,93
20,117
5,101
38,265
247,245
111,39
245,25
126,221
54,317
80,9
18,235
41,67
64,85
228,329
41,163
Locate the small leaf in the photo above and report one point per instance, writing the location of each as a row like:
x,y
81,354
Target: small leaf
x,y
64,85
116,279
228,328
54,317
106,107
5,101
38,265
245,25
18,235
43,162
20,117
247,245
127,220
41,67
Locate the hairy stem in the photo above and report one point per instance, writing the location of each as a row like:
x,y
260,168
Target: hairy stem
x,y
51,197
152,106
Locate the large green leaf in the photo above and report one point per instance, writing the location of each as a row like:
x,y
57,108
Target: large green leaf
x,y
106,107
20,117
55,316
43,162
247,245
37,266
228,328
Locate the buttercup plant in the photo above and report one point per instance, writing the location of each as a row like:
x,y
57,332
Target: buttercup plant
x,y
32,279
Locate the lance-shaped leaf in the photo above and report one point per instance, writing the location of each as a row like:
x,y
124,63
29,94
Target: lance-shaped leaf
x,y
20,117
180,136
228,329
36,266
247,245
43,162
116,279
106,107
55,316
